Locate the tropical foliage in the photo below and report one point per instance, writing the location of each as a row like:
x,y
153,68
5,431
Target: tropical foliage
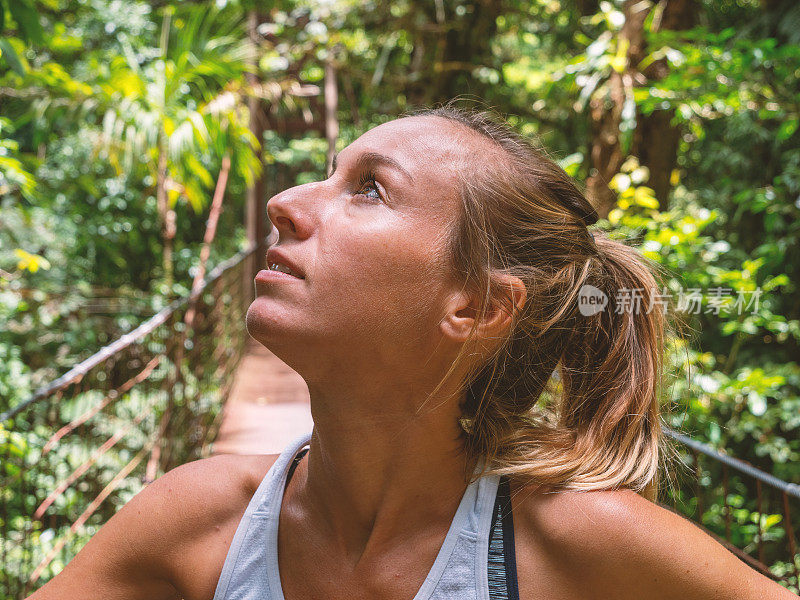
x,y
680,118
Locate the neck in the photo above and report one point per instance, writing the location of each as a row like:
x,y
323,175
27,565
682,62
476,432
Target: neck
x,y
383,464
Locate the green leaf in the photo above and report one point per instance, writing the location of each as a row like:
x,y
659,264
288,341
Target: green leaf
x,y
787,128
12,59
771,521
197,169
28,20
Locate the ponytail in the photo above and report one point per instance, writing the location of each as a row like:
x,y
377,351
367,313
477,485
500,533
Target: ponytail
x,y
611,370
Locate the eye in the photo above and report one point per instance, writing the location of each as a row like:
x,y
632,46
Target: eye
x,y
368,187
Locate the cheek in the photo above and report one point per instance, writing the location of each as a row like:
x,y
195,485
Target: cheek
x,y
391,277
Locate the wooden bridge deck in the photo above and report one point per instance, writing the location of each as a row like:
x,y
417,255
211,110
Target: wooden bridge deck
x,y
268,406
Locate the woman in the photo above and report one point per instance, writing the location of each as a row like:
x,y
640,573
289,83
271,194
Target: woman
x,y
426,292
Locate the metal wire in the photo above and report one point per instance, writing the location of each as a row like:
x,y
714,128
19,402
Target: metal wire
x,y
77,449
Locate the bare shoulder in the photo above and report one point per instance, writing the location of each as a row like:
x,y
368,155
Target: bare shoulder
x,y
206,489
620,541
171,539
570,520
189,499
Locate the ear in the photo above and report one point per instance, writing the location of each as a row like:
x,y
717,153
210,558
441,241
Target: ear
x,y
462,311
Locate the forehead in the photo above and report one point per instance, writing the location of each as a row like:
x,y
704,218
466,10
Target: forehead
x,y
432,149
415,135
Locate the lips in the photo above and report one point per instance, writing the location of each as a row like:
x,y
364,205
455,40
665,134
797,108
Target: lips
x,y
275,256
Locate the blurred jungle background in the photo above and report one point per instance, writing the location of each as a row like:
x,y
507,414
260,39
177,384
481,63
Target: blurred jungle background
x,y
118,119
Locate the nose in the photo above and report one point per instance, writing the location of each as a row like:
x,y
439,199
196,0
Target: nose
x,y
289,212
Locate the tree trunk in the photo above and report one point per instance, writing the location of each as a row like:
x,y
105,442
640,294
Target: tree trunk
x,y
655,140
656,146
331,106
605,148
208,239
448,47
605,113
256,222
165,214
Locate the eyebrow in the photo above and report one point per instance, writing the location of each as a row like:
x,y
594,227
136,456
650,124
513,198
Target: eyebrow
x,y
372,158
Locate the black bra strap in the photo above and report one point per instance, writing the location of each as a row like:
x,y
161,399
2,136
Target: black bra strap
x,y
495,512
509,550
295,462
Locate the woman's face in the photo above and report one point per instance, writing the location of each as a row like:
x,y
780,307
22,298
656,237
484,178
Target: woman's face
x,y
370,243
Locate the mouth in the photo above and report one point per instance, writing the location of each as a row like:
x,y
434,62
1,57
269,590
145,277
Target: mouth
x,y
275,275
281,268
282,264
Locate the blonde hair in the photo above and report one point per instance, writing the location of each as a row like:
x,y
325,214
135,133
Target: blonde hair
x,y
566,400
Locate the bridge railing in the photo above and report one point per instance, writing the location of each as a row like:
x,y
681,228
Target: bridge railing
x,y
750,511
79,448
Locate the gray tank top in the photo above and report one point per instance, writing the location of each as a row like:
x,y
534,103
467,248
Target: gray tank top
x,y
459,572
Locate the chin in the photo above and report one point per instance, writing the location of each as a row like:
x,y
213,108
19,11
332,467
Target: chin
x,y
262,322
271,328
